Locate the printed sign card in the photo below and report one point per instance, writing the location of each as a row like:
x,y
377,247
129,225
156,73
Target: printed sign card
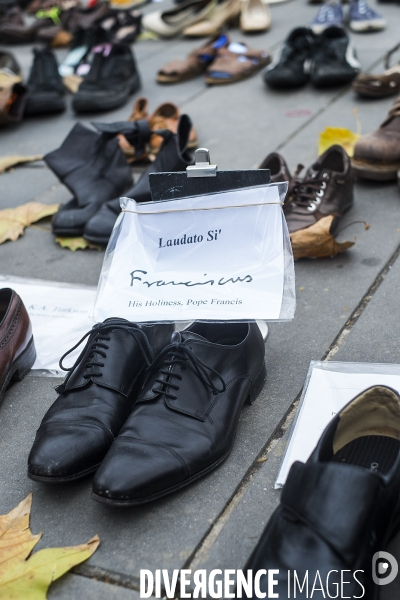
x,y
328,388
216,257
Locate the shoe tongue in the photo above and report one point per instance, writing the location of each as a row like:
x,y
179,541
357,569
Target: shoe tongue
x,y
184,336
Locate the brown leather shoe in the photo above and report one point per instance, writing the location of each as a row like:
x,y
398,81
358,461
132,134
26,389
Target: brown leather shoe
x,y
377,155
327,189
17,348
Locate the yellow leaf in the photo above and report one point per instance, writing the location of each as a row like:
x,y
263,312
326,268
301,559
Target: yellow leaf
x,y
337,135
6,162
76,243
316,241
22,579
14,220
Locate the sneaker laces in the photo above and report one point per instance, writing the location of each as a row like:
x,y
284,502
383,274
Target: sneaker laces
x,y
308,193
363,9
180,353
97,337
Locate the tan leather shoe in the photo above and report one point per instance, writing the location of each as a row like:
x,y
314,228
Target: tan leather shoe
x,y
377,155
255,16
17,348
165,116
225,14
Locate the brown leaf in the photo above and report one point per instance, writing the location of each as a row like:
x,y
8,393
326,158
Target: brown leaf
x,y
14,220
76,243
316,241
6,162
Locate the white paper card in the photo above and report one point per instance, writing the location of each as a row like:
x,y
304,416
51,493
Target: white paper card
x,y
172,261
60,316
330,387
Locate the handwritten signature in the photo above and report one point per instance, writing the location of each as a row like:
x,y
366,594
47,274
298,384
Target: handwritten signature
x,y
161,282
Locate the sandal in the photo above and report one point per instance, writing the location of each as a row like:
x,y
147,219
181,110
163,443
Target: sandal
x,y
380,86
236,62
195,64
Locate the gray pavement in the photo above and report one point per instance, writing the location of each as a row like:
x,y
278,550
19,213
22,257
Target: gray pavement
x,y
347,310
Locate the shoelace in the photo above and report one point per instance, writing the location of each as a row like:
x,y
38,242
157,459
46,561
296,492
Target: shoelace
x,y
96,340
364,9
389,56
180,353
308,193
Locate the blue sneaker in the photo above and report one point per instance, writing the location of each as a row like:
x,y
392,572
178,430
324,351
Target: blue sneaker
x,y
363,18
330,13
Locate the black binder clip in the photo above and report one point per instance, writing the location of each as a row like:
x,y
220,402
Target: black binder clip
x,y
203,178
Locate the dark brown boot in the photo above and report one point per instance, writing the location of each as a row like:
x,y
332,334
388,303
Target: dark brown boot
x,y
327,189
377,155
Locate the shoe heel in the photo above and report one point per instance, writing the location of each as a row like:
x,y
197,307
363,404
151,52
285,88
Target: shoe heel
x,y
24,362
257,386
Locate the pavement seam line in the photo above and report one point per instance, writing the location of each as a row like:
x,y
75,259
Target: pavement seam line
x,y
107,576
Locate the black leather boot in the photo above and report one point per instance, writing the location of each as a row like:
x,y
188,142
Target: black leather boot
x,y
173,156
94,169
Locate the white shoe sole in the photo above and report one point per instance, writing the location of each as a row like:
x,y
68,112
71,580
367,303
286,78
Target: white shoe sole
x,y
373,25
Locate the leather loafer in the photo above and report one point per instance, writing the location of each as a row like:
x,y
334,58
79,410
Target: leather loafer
x,y
17,348
340,507
95,399
185,419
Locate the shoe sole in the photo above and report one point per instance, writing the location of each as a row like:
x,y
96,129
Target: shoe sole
x,y
67,232
374,172
40,108
91,105
20,367
102,241
253,394
376,25
66,479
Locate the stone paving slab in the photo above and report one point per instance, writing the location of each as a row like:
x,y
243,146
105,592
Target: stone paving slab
x,y
71,587
240,124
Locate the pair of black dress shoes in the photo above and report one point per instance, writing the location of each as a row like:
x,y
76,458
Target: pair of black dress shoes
x,y
339,510
149,409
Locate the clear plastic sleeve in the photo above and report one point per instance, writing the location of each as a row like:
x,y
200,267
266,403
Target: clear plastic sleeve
x,y
217,257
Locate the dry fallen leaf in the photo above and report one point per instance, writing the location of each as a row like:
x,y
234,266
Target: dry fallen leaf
x,y
76,243
22,579
316,241
14,220
6,162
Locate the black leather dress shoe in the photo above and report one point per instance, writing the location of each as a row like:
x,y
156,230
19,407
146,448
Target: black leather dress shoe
x,y
185,419
173,156
95,399
340,507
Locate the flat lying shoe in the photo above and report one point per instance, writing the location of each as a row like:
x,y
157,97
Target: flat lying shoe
x,y
236,62
224,14
185,419
377,155
173,156
379,86
327,189
95,399
195,64
255,16
170,23
17,348
339,508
